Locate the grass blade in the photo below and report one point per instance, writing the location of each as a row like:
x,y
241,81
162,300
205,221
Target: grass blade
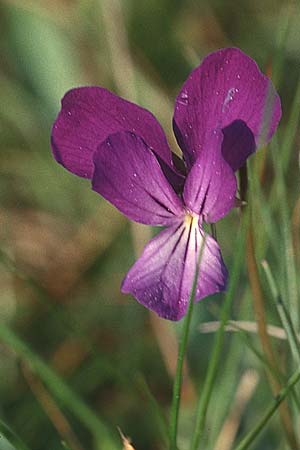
x,y
283,314
11,437
251,436
58,387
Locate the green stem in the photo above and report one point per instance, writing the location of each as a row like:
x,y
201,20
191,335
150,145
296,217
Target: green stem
x,y
181,353
179,375
218,344
249,438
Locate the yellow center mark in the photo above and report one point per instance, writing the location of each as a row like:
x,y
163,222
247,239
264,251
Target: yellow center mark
x,y
190,220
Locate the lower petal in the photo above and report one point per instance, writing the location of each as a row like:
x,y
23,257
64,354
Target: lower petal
x,y
213,275
162,278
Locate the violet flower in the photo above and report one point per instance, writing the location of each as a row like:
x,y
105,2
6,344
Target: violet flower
x,y
219,120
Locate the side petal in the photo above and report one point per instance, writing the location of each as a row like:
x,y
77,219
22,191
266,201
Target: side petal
x,y
129,176
227,87
88,116
211,184
162,278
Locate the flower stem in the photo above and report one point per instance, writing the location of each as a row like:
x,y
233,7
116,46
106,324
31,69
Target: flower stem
x,y
179,374
218,343
249,438
180,359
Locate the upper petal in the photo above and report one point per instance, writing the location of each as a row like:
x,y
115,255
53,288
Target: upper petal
x,y
227,87
211,185
162,278
88,116
128,175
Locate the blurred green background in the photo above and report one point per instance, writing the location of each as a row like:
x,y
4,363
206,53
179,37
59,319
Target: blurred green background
x,y
64,250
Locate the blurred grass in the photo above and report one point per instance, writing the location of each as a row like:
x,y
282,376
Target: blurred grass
x,y
65,251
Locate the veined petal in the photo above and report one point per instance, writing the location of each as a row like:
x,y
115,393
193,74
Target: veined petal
x,y
89,115
129,176
227,87
162,278
213,273
211,185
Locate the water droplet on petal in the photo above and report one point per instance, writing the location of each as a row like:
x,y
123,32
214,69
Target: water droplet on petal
x,y
229,97
183,98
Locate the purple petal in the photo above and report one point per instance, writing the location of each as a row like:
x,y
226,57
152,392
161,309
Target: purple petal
x,y
129,176
162,278
88,116
227,87
211,185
